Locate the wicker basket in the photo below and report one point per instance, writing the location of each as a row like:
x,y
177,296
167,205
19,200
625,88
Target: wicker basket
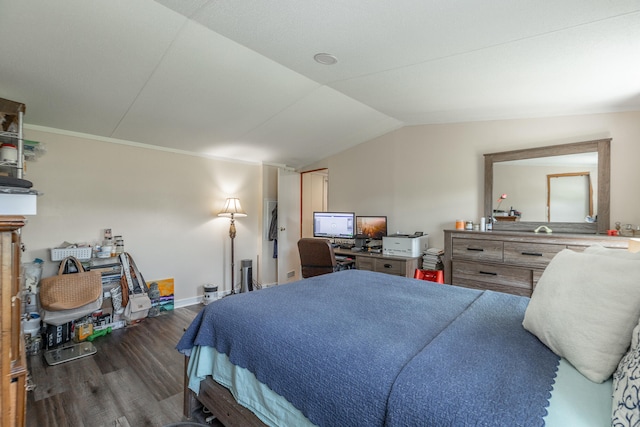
x,y
69,291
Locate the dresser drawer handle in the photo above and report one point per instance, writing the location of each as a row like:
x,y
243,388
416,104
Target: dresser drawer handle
x,y
388,266
531,253
488,273
476,249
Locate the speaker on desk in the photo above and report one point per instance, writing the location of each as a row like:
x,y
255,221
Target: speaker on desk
x,y
246,283
360,241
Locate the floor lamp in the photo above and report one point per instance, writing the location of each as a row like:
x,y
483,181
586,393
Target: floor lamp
x,y
232,209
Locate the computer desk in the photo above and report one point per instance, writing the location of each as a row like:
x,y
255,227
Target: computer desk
x,y
397,265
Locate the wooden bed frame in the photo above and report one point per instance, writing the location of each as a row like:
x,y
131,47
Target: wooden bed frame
x,y
219,400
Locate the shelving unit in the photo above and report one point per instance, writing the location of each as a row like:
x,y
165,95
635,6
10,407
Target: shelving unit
x,y
14,113
16,195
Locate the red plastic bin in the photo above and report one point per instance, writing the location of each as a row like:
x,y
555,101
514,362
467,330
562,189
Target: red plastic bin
x,y
430,275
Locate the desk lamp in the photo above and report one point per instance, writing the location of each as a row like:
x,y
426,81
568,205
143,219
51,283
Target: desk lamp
x,y
502,197
232,209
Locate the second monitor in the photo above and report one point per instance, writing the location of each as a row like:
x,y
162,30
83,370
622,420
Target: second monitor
x,y
371,227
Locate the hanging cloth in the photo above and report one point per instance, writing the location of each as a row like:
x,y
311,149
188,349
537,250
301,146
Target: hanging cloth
x,y
273,230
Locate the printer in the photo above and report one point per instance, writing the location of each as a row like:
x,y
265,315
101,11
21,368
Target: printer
x,y
405,245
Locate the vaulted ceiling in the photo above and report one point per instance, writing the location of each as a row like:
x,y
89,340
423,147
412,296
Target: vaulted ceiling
x,y
237,79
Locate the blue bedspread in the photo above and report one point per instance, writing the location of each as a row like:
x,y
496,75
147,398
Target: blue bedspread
x,y
367,349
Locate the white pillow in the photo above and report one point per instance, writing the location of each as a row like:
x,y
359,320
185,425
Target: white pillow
x,y
621,253
626,386
584,309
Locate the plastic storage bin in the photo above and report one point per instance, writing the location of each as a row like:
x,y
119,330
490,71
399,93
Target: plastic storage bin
x,y
58,254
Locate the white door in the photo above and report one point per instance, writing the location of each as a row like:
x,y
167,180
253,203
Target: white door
x,y
288,226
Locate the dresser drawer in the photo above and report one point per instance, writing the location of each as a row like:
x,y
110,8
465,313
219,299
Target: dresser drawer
x,y
509,261
537,274
391,266
530,254
477,249
500,278
399,266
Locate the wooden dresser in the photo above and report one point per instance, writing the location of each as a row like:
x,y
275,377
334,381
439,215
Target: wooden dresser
x,y
509,261
12,352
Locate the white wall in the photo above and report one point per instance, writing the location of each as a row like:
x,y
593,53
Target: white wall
x,y
425,177
164,205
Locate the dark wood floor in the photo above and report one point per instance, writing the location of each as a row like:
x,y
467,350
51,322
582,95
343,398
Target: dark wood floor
x,y
135,379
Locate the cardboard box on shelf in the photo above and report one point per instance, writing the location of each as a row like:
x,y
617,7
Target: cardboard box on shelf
x,y
83,331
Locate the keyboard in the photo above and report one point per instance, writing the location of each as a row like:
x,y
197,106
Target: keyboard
x,y
341,258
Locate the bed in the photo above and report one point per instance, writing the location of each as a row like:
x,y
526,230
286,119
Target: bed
x,y
360,348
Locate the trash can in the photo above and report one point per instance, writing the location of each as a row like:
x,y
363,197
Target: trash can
x,y
210,294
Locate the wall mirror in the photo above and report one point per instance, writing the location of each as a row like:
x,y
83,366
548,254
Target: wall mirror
x,y
564,187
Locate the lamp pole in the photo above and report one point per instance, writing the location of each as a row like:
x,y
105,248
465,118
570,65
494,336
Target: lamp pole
x,y
232,209
232,234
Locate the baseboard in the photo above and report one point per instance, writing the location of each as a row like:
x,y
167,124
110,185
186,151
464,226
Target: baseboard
x,y
268,285
187,302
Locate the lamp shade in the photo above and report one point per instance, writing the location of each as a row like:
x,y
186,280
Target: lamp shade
x,y
634,245
232,208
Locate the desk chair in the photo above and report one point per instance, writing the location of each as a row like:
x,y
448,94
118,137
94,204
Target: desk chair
x,y
316,257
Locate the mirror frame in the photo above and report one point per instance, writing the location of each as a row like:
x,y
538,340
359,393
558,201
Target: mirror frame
x,y
601,146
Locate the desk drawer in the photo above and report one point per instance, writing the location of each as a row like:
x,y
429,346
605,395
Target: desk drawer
x,y
530,254
391,266
477,249
365,263
478,275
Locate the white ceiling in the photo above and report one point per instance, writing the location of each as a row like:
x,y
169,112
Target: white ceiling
x,y
237,79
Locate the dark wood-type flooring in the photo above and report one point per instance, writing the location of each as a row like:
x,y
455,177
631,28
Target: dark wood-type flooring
x,y
135,379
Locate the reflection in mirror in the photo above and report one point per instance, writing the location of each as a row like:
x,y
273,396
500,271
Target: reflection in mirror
x,y
570,197
534,198
526,183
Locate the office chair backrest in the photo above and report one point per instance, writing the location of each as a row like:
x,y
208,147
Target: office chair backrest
x,y
316,257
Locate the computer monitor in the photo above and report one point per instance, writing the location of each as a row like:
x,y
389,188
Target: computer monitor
x,y
334,225
373,227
